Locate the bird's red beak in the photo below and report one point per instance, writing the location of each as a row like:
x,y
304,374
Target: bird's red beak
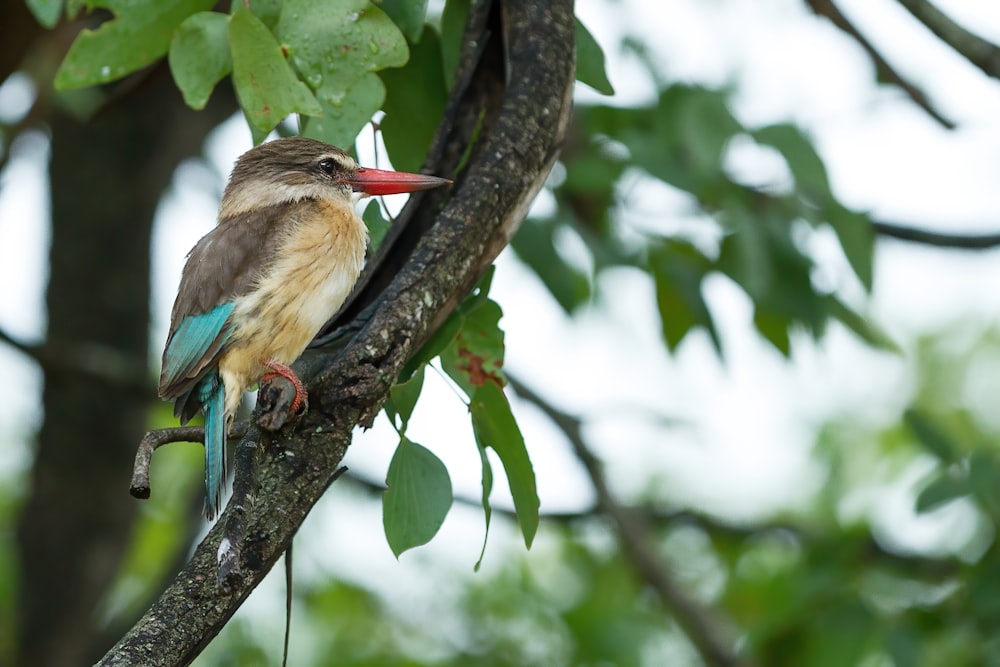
x,y
381,182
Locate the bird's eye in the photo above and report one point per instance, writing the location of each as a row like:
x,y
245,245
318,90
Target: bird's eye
x,y
326,165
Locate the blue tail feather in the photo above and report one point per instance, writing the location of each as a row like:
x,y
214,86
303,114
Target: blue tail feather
x,y
212,394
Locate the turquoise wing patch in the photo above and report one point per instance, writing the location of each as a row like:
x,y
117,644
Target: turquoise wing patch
x,y
194,337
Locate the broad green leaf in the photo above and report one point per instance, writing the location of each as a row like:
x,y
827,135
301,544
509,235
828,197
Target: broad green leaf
x,y
683,138
941,491
803,161
408,15
341,122
590,68
745,256
138,36
334,45
199,56
267,88
854,231
403,398
453,19
678,270
377,225
494,426
475,357
417,499
931,436
414,103
46,12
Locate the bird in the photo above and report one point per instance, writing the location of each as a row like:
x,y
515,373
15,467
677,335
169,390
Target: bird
x,y
285,253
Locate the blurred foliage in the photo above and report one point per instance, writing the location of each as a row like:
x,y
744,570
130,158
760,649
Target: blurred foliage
x,y
820,585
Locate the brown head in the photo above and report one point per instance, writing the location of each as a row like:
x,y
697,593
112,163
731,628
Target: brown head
x,y
296,168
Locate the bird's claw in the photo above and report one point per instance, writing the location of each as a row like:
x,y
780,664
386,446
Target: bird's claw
x,y
281,398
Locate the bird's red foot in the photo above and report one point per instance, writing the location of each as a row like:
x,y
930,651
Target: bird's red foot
x,y
281,370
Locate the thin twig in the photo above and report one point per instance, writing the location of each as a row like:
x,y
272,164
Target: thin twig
x,y
885,71
155,439
937,239
983,54
701,626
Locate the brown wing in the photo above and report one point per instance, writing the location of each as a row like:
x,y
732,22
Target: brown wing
x,y
224,265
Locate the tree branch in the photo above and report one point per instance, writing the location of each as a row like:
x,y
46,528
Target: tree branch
x,y
978,51
700,625
883,69
938,239
507,166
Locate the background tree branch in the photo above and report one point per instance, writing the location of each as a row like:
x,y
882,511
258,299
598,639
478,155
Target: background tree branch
x,y
508,164
884,70
981,53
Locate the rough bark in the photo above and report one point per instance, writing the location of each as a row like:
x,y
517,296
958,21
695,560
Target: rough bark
x,y
522,54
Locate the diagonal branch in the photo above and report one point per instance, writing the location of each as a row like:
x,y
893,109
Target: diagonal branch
x,y
702,627
883,69
528,64
983,54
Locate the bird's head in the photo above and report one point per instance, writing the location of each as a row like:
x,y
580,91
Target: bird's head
x,y
297,168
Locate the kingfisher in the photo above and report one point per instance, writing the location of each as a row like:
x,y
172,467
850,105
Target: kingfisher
x,y
286,252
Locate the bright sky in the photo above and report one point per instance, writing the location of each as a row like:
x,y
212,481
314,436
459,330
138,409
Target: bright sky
x,y
746,449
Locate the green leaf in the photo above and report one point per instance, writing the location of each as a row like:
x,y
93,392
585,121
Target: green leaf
x,y
414,103
341,122
138,36
684,138
745,256
267,88
931,436
377,225
678,269
334,45
494,426
854,231
487,490
941,491
590,67
803,160
475,357
417,499
199,56
408,15
46,12
403,398
453,19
